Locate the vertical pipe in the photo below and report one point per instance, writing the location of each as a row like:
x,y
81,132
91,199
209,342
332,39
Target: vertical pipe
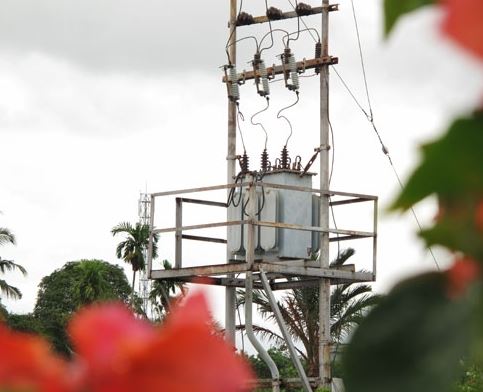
x,y
178,251
283,328
150,244
230,292
251,335
324,285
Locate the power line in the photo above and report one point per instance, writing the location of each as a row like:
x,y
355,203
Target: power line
x,y
370,118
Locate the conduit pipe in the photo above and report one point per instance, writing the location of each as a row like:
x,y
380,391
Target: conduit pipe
x,y
251,335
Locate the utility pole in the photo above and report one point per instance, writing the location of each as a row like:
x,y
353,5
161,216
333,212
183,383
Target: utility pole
x,y
230,292
324,286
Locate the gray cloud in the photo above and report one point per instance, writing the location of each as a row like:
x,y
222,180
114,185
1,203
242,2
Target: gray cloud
x,y
145,35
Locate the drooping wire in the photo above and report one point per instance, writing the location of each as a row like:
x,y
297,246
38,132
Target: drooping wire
x,y
242,39
303,22
242,118
298,28
286,119
233,30
287,36
271,31
260,124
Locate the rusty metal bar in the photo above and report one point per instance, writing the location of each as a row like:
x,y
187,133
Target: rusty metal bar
x,y
347,201
205,239
279,69
206,270
201,226
204,202
289,15
195,190
355,234
317,272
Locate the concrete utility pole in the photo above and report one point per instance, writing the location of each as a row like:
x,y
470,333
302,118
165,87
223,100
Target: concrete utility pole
x,y
324,286
230,292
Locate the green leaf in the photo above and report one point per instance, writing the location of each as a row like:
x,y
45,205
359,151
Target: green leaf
x,y
411,342
452,167
393,9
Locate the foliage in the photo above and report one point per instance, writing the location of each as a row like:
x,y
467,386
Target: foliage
x,y
133,247
160,294
415,339
24,323
118,352
6,237
300,311
67,289
394,9
471,379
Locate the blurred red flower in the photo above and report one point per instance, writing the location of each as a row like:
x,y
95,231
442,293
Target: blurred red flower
x,y
463,272
121,353
463,23
28,364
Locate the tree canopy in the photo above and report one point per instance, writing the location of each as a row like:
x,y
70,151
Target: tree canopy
x,y
76,284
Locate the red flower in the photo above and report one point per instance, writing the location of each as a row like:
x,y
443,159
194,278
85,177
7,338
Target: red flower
x,y
122,353
27,364
463,272
464,24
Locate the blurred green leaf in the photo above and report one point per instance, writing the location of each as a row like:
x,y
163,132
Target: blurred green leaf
x,y
452,167
393,9
412,341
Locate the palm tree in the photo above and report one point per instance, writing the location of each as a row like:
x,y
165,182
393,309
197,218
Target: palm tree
x,y
160,293
6,237
300,310
132,249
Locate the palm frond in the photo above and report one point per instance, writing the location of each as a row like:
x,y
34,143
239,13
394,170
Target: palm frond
x,y
9,265
9,291
6,236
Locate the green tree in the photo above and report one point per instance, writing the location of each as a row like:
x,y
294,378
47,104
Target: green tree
x,y
133,248
163,292
300,310
6,237
75,284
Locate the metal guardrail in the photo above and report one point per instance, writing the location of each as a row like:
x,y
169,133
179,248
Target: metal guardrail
x,y
274,267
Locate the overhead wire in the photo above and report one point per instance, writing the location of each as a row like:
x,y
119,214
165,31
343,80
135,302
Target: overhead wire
x,y
271,31
260,124
370,117
286,119
303,22
233,30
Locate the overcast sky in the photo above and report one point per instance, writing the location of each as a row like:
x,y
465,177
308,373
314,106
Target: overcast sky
x,y
100,100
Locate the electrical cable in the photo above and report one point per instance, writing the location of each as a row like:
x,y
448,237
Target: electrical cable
x,y
261,125
266,35
286,119
298,28
308,29
370,117
242,39
303,22
233,30
242,118
271,31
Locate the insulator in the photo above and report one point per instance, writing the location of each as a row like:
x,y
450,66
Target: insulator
x,y
244,19
318,54
274,13
294,76
285,159
264,77
303,9
244,163
234,89
265,166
